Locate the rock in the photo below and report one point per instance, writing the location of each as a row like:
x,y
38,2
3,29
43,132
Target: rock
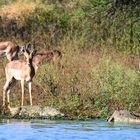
x,y
34,112
124,116
14,111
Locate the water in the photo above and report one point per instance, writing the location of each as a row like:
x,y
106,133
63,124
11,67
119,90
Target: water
x,y
66,130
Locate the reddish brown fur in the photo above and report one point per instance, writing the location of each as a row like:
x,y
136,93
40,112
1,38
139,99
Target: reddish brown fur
x,y
53,56
9,49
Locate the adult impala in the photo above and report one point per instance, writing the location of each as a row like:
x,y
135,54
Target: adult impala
x,y
9,49
19,70
49,56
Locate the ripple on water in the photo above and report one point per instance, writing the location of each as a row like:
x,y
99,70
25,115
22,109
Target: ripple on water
x,y
67,130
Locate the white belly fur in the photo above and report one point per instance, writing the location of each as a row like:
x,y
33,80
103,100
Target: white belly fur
x,y
16,74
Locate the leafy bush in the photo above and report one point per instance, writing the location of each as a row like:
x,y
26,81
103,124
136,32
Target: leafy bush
x,y
115,87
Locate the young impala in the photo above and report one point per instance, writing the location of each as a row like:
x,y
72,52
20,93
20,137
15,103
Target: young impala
x,y
19,70
9,49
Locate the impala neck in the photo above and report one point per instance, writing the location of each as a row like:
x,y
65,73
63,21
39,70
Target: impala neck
x,y
29,61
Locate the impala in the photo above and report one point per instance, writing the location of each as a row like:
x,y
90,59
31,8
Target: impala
x,y
9,49
19,70
53,56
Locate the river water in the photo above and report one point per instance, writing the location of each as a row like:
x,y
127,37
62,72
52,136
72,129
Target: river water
x,y
67,130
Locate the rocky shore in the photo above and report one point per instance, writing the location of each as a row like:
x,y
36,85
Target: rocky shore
x,y
124,116
34,112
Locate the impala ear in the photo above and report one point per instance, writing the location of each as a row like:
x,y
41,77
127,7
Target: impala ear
x,y
25,49
34,50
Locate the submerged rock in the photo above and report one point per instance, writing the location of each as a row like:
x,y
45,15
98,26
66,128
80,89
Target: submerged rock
x,y
124,116
34,112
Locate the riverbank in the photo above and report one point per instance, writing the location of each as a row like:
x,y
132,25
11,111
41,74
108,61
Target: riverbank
x,y
93,87
100,57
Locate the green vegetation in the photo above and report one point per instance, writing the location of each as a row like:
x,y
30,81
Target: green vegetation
x,y
115,85
99,40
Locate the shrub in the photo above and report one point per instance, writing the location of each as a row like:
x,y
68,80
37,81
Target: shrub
x,y
116,87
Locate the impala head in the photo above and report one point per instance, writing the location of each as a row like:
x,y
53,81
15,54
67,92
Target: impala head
x,y
29,54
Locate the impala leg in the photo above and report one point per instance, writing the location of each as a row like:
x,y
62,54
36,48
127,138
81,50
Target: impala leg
x,y
11,85
5,90
30,92
22,88
8,99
